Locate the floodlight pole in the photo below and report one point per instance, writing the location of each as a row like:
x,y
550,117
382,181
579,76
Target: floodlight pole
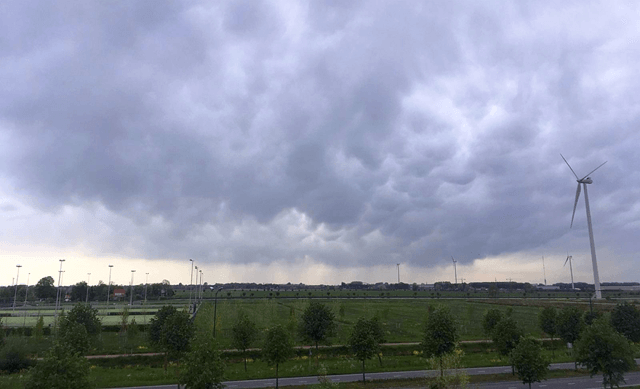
x,y
146,283
190,284
58,293
88,278
131,289
26,293
215,311
108,289
596,276
15,296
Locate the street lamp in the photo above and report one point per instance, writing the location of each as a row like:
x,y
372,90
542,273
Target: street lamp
x,y
201,286
146,283
58,294
16,294
131,290
108,290
88,278
215,308
190,284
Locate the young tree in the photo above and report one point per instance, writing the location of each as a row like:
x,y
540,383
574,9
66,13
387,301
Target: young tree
x,y
176,335
490,319
364,341
569,324
61,368
602,349
317,324
86,316
528,361
440,335
277,348
378,334
547,320
244,334
625,318
74,335
203,365
506,335
172,331
156,323
38,332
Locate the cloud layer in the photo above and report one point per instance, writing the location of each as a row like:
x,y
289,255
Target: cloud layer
x,y
353,133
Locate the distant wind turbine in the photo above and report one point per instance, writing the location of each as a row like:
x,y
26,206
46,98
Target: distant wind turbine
x,y
584,181
544,271
569,258
455,270
398,273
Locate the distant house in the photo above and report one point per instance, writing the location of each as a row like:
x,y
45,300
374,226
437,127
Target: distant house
x,y
119,293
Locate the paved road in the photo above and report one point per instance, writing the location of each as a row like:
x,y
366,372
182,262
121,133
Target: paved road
x,y
559,383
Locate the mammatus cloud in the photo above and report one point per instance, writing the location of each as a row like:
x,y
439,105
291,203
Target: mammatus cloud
x,y
355,134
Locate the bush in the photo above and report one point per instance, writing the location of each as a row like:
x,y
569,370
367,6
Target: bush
x,y
13,358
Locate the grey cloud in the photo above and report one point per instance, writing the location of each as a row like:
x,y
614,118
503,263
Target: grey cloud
x,y
214,117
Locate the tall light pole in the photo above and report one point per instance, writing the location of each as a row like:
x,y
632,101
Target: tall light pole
x,y
201,284
88,278
131,290
58,294
146,283
190,284
108,290
26,293
15,296
215,311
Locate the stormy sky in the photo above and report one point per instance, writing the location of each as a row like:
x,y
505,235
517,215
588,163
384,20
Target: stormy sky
x,y
318,142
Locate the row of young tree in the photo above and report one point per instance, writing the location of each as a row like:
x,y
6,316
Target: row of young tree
x,y
600,342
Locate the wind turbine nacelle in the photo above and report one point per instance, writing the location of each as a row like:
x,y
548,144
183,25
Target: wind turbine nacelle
x,y
587,180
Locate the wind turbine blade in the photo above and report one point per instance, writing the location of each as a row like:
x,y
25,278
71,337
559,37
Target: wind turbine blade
x,y
575,205
594,169
565,262
454,261
565,161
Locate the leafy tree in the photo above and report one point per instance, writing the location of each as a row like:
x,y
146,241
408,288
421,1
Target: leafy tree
x,y
176,335
506,335
378,334
547,320
317,324
625,318
13,356
602,349
244,334
83,314
38,332
364,341
156,323
440,335
528,361
74,335
277,348
203,365
79,291
570,324
61,368
45,288
490,319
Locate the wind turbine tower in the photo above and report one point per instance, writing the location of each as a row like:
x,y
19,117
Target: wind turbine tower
x,y
544,271
584,181
569,258
398,273
455,270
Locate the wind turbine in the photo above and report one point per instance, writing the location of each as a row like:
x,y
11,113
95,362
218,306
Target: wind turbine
x,y
544,271
398,265
569,258
584,181
455,270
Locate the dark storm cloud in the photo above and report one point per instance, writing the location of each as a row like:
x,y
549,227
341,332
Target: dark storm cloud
x,y
437,125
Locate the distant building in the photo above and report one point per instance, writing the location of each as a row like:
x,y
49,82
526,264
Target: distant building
x,y
119,293
548,287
